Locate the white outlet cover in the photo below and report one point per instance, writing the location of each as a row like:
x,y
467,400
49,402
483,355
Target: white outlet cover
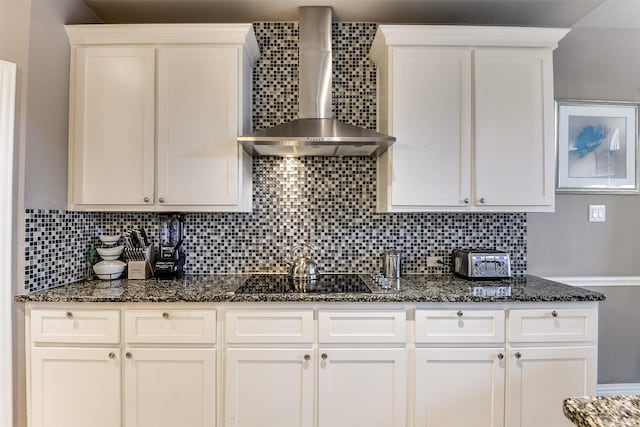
x,y
597,213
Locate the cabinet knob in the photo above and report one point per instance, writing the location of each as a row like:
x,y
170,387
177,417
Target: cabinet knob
x,y
307,357
518,355
554,313
112,355
128,355
146,200
324,356
165,315
459,313
466,201
481,200
69,315
161,199
500,356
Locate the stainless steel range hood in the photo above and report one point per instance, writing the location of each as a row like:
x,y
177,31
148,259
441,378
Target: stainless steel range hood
x,y
315,133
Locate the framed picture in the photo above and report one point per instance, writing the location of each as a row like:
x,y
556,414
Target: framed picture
x,y
597,147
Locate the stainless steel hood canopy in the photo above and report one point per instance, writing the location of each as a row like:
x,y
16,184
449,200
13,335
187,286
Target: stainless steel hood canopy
x,y
315,133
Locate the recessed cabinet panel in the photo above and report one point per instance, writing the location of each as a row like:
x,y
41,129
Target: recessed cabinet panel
x,y
460,326
75,387
431,100
170,326
460,387
112,125
198,125
169,387
362,327
283,326
553,324
514,155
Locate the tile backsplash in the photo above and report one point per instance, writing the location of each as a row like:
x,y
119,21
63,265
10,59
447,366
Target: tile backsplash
x,y
326,202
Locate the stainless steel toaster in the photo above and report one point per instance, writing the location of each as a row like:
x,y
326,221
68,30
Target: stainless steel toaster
x,y
480,264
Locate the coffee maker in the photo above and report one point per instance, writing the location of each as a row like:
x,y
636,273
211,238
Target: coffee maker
x,y
171,257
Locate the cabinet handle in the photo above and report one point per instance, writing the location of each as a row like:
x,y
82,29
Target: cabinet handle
x,y
518,355
161,199
112,355
324,356
500,356
554,313
128,355
69,315
307,357
466,201
459,313
146,200
481,199
165,315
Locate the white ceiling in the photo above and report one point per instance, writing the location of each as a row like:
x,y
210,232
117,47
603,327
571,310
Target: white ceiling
x,y
545,13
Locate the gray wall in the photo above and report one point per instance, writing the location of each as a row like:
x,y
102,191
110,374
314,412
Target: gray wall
x,y
597,64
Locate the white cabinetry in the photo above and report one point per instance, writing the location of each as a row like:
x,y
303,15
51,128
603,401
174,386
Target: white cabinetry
x,y
552,355
154,115
161,374
272,355
460,368
472,111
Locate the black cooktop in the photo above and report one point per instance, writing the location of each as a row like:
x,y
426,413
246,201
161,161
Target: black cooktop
x,y
282,284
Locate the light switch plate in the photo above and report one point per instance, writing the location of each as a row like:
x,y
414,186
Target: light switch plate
x,y
597,213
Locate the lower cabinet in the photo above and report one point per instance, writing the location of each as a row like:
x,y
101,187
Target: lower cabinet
x,y
269,387
362,387
540,378
75,387
460,387
168,387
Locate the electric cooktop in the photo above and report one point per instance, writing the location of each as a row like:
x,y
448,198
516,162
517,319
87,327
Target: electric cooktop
x,y
283,284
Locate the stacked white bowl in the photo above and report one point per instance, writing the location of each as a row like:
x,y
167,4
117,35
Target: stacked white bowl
x,y
110,267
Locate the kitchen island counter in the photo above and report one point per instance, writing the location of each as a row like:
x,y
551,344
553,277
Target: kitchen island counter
x,y
603,411
221,288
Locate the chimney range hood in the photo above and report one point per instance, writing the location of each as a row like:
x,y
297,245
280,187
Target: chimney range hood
x,y
315,133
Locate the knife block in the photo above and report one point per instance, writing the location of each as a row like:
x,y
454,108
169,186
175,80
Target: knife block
x,y
140,270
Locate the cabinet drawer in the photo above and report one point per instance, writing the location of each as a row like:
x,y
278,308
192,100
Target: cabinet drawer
x,y
362,327
170,326
75,326
256,327
460,326
553,324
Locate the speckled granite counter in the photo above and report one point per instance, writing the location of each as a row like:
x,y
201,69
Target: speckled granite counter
x,y
220,288
611,411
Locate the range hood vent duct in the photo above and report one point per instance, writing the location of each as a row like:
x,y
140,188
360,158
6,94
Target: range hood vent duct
x,y
316,132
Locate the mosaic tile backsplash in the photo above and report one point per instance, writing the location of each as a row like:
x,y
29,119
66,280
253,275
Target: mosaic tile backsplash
x,y
326,202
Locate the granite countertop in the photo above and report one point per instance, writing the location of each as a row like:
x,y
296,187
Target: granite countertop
x,y
220,288
603,411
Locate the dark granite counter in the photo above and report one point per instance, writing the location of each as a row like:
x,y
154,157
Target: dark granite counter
x,y
601,411
220,288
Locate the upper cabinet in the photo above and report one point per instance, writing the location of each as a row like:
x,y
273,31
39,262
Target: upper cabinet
x,y
472,111
154,115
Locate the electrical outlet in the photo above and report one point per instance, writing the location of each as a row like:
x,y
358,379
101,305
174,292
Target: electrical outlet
x,y
597,213
435,261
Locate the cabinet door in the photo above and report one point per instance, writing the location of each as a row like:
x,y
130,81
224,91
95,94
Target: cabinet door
x,y
269,388
169,387
362,387
429,165
459,387
75,387
514,137
541,378
112,125
198,101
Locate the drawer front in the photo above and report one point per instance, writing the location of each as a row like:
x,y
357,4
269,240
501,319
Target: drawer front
x,y
460,326
553,325
264,327
170,326
75,326
376,327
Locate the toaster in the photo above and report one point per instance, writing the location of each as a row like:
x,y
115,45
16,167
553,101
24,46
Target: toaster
x,y
480,264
